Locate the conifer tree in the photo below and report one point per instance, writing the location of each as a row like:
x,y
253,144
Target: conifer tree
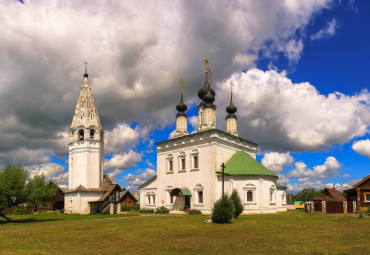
x,y
237,202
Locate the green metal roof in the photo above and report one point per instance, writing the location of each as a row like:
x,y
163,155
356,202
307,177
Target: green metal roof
x,y
280,186
185,192
241,163
148,182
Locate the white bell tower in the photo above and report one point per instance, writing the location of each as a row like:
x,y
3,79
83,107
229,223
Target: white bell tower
x,y
86,142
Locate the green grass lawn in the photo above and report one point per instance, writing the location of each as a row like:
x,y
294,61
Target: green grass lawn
x,y
293,232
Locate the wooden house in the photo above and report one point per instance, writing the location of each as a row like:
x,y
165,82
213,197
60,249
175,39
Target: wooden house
x,y
360,193
332,195
127,198
56,204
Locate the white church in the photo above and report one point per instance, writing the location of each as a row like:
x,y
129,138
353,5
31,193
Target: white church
x,y
187,165
89,191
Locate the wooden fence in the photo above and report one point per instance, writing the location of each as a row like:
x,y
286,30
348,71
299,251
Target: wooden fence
x,y
10,210
331,207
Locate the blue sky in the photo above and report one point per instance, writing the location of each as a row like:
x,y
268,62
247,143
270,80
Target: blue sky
x,y
288,60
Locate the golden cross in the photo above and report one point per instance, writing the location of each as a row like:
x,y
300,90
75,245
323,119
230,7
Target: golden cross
x,y
206,61
182,84
231,85
85,66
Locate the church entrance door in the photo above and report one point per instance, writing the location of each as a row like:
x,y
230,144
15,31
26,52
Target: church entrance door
x,y
181,199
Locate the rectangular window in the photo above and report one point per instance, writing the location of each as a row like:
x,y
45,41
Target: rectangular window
x,y
200,197
153,200
271,195
249,196
367,197
171,199
182,164
170,165
195,161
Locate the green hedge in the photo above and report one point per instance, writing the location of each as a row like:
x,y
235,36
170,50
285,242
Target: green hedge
x,y
20,210
194,212
130,208
147,211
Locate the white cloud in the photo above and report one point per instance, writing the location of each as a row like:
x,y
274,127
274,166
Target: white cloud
x,y
120,138
172,135
130,78
293,49
193,120
327,31
362,147
122,161
23,156
137,180
52,171
284,116
318,184
276,161
328,169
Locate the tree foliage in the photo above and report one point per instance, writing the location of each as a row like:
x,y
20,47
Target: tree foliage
x,y
223,210
39,190
12,187
307,194
237,202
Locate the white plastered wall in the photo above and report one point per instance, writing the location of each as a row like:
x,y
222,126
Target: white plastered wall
x,y
77,202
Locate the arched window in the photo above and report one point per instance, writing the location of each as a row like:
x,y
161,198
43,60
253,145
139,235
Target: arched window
x,y
249,196
92,132
81,134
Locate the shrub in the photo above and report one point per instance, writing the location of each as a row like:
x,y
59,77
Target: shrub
x,y
368,209
147,211
237,202
20,210
360,215
194,212
127,208
223,210
162,210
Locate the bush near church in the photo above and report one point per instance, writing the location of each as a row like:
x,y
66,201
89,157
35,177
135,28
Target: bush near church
x,y
162,210
223,210
237,202
194,212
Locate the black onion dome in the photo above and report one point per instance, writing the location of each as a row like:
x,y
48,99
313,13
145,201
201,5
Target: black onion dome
x,y
209,98
181,107
203,91
231,109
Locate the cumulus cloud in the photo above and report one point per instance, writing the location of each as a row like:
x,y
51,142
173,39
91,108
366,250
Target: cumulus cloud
x,y
136,180
120,138
362,147
136,52
193,120
23,156
52,171
284,116
120,162
276,161
328,169
327,31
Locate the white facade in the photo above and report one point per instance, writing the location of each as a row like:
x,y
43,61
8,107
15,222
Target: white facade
x,y
195,159
187,165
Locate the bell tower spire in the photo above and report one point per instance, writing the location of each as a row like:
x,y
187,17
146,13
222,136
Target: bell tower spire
x,y
86,141
181,118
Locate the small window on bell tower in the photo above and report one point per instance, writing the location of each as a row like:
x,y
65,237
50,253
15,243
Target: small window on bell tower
x,y
92,132
81,134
